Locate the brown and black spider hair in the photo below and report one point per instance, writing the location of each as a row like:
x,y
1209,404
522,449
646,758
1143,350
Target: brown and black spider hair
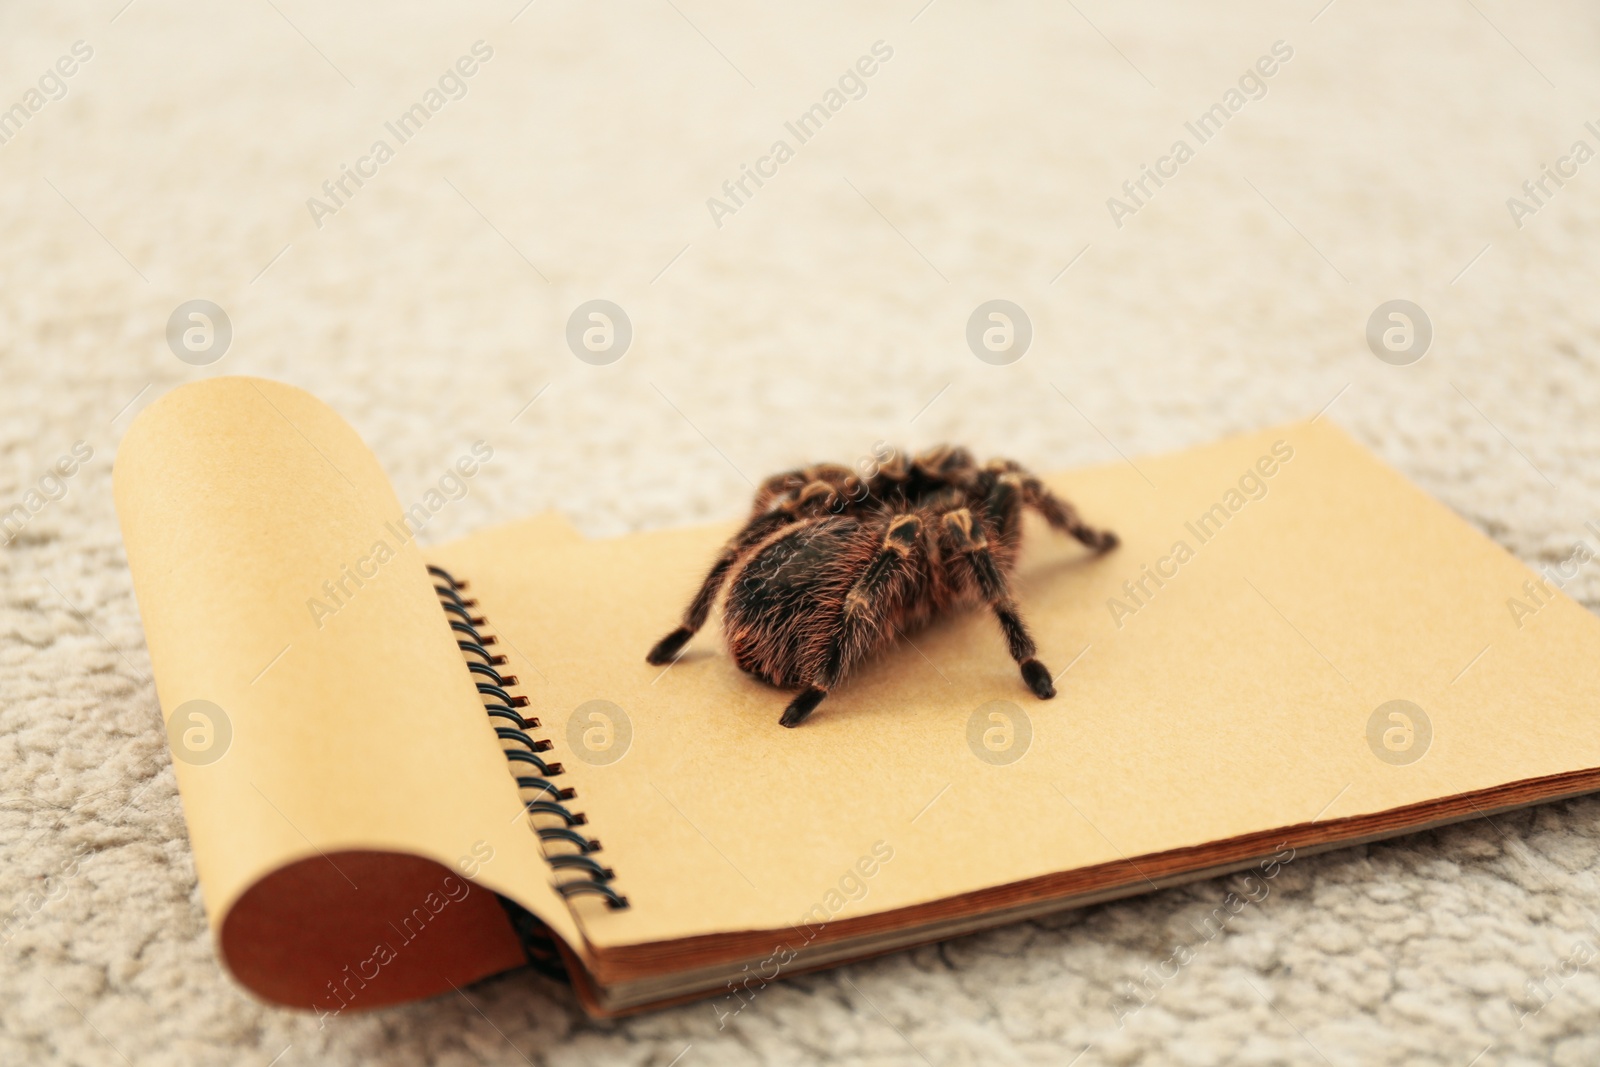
x,y
830,567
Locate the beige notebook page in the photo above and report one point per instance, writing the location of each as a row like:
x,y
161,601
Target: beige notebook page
x,y
1234,698
239,498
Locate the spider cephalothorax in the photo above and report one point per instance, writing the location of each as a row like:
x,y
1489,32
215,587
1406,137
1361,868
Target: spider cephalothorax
x,y
829,567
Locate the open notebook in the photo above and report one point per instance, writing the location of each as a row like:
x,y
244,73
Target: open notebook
x,y
1226,696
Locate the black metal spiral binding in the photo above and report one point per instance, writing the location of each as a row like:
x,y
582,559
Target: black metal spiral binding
x,y
591,876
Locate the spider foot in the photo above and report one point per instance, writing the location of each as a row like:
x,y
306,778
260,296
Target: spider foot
x,y
669,646
802,706
1037,675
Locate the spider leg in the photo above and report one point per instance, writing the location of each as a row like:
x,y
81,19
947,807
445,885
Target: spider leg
x,y
694,616
774,488
1002,505
1057,512
797,483
863,608
970,543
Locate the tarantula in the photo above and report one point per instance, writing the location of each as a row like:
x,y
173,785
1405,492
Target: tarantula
x,y
830,567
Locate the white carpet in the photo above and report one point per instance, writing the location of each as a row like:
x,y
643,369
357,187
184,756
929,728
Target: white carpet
x,y
826,312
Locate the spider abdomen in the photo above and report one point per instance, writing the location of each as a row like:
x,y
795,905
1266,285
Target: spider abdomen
x,y
784,604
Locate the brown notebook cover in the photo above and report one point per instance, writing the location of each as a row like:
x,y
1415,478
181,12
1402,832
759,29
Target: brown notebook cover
x,y
1292,649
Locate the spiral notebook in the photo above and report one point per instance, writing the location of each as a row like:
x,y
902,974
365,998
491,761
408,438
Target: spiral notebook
x,y
408,768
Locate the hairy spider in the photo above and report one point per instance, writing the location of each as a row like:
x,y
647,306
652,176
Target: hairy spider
x,y
824,573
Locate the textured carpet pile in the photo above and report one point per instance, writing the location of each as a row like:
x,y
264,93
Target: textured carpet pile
x,y
806,317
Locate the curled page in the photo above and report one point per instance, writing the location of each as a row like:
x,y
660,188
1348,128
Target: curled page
x,y
350,810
